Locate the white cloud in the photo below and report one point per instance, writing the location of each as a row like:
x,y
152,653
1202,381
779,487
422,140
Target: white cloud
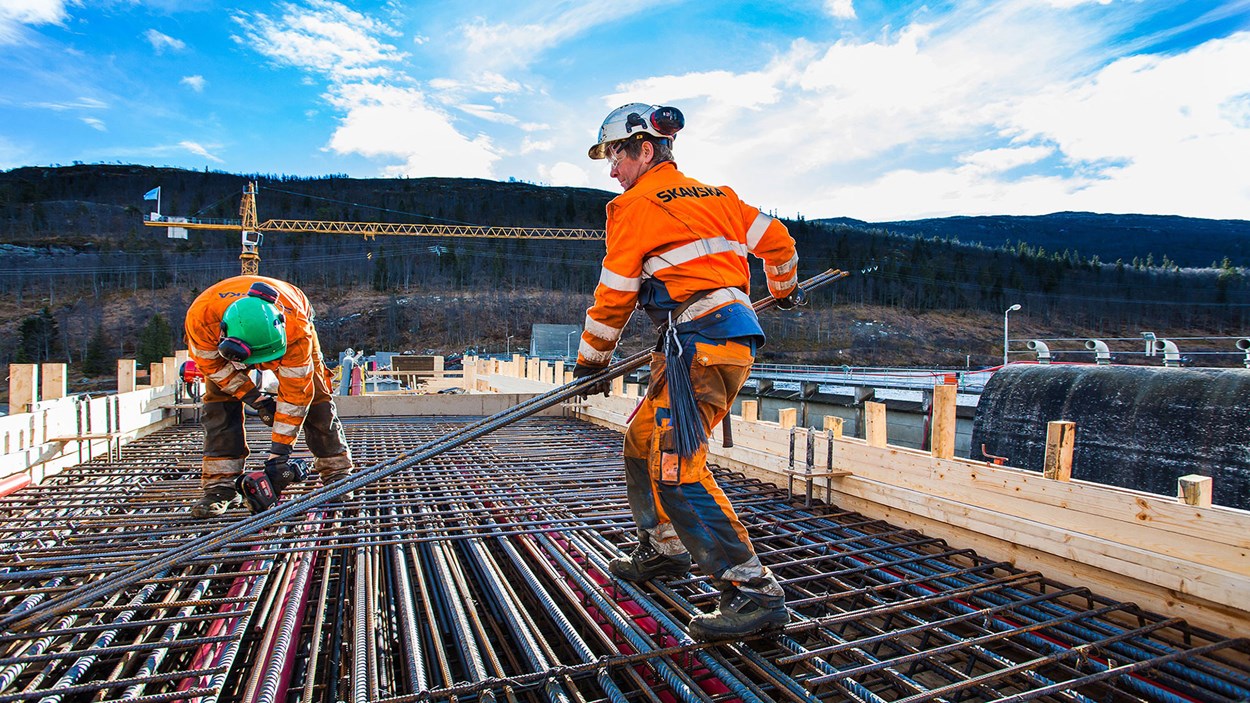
x,y
79,104
488,113
195,82
998,160
997,107
564,173
841,9
326,37
15,13
529,146
160,42
95,123
198,150
384,121
518,43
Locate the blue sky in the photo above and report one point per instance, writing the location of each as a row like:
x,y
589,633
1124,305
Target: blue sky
x,y
870,109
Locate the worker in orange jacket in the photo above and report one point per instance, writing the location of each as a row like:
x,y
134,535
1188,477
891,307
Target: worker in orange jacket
x,y
253,322
677,249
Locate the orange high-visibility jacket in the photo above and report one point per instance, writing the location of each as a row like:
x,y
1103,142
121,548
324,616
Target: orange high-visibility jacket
x,y
690,236
294,369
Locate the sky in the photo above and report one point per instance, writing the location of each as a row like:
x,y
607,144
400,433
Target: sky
x,y
870,109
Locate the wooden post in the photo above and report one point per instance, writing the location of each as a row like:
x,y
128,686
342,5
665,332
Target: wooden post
x,y
171,370
631,390
558,374
518,366
618,386
835,424
1194,490
23,387
469,381
1060,440
438,367
125,375
874,424
750,411
51,381
156,375
942,434
568,377
787,417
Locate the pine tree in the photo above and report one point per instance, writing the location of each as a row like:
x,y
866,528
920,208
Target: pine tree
x,y
97,360
155,341
36,335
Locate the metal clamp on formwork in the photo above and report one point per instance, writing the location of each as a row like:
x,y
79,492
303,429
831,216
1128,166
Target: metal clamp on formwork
x,y
809,474
128,576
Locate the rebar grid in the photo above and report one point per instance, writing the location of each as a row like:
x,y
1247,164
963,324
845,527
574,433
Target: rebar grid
x,y
480,574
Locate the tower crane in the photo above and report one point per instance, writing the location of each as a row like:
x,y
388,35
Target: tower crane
x,y
253,231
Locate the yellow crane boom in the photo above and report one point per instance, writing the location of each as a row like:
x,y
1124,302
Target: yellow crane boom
x,y
253,231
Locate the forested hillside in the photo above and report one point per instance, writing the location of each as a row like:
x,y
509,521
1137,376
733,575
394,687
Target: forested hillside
x,y
73,244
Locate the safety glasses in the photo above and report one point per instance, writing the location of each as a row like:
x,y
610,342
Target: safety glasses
x,y
616,153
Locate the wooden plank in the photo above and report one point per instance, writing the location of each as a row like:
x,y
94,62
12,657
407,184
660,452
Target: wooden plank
x,y
1229,621
1195,490
942,432
751,410
787,417
874,424
171,370
834,424
1060,440
557,374
1109,511
631,390
618,387
23,387
125,375
52,381
156,374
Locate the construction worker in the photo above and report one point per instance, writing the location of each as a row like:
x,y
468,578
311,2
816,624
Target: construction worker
x,y
677,248
253,322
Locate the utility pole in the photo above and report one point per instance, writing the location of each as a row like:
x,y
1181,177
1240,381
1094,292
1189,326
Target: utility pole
x,y
1006,315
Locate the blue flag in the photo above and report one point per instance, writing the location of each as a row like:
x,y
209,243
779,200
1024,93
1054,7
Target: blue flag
x,y
153,194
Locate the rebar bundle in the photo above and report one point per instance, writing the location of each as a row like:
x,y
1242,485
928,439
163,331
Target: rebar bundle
x,y
480,574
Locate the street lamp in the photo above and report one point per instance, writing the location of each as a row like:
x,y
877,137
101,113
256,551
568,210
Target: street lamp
x,y
508,347
568,349
1006,315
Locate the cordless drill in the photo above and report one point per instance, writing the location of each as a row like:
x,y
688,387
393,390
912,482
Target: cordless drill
x,y
262,489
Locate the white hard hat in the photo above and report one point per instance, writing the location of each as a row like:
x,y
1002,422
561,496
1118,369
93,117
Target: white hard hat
x,y
637,118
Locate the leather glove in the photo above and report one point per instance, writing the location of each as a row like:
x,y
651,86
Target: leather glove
x,y
265,407
797,297
582,371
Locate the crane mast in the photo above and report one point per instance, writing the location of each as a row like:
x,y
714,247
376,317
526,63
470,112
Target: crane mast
x,y
252,231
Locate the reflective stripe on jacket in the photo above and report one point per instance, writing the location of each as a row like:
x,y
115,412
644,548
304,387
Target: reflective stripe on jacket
x,y
294,369
690,237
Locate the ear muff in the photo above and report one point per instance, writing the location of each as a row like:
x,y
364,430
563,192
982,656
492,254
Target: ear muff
x,y
667,121
264,291
232,349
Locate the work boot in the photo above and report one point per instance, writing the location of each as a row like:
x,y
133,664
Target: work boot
x,y
738,616
645,563
216,501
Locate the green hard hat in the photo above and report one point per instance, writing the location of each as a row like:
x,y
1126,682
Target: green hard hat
x,y
253,331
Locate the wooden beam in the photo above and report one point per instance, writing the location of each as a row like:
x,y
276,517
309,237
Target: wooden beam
x,y
52,381
874,424
125,375
156,375
751,411
834,423
1195,490
1060,440
942,433
171,370
558,374
23,387
787,417
618,386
